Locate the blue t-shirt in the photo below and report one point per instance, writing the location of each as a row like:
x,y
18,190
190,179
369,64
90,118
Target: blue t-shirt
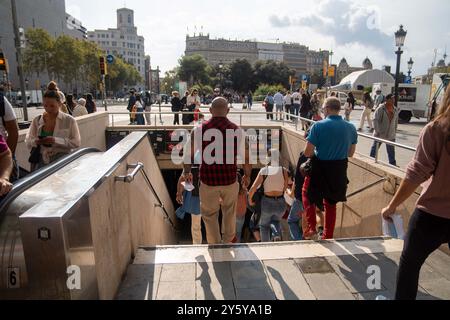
x,y
333,138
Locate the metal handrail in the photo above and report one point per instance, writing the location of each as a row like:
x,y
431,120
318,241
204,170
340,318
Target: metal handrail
x,y
284,116
34,178
139,167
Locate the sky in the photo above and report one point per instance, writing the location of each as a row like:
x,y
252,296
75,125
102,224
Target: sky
x,y
354,29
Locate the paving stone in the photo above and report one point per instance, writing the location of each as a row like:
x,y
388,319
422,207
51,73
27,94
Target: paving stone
x,y
352,273
249,275
214,291
328,286
258,294
214,282
440,262
287,280
314,265
182,290
439,288
178,272
140,283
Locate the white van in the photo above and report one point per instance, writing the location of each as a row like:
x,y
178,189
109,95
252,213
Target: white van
x,y
34,98
412,99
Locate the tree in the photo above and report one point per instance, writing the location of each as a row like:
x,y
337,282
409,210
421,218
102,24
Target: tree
x,y
90,68
241,74
170,80
66,59
38,52
272,73
194,69
319,79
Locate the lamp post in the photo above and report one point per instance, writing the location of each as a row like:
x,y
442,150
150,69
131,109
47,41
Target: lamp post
x,y
410,65
220,73
400,36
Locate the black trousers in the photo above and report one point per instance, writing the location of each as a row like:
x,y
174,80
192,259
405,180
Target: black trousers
x,y
269,111
426,233
176,119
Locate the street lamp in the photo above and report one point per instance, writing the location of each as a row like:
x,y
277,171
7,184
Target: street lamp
x,y
410,65
400,36
220,73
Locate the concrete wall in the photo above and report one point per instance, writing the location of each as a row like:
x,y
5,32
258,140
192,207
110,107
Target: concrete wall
x,y
92,131
124,217
360,216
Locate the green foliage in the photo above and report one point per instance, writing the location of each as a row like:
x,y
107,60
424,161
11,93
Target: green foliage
x,y
194,69
272,73
242,75
72,60
170,80
37,56
202,89
264,89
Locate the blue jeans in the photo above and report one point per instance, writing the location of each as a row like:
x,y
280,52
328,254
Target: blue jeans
x,y
272,211
390,151
239,226
295,110
294,220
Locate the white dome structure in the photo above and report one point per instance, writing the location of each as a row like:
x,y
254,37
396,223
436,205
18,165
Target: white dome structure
x,y
363,79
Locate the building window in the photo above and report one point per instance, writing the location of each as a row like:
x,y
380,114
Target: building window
x,y
139,69
114,44
129,18
120,18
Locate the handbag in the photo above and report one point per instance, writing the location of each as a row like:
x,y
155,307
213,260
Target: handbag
x,y
35,153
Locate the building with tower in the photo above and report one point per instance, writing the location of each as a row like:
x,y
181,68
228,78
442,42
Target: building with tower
x,y
344,69
123,42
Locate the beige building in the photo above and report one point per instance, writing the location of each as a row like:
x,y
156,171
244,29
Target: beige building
x,y
296,56
344,69
123,41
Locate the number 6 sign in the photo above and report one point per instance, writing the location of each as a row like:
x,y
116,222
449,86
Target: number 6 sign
x,y
13,278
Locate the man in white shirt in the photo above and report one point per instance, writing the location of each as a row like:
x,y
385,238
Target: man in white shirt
x,y
8,123
297,97
279,101
288,104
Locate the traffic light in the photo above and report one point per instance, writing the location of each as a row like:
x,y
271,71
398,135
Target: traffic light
x,y
3,66
103,67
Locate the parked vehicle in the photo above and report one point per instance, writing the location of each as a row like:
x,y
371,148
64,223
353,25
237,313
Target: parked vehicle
x,y
412,99
438,87
34,98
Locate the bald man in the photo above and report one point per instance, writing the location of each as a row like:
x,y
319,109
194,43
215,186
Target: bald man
x,y
219,188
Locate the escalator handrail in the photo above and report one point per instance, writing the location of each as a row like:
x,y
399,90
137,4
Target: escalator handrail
x,y
34,178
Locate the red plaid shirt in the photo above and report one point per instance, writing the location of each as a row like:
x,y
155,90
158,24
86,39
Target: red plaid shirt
x,y
219,174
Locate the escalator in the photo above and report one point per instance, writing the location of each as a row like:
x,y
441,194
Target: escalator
x,y
12,258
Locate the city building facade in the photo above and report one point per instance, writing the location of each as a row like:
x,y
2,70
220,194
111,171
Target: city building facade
x,y
49,15
296,56
123,42
344,69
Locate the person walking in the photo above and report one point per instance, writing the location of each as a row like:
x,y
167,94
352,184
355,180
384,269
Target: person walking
x,y
139,107
131,103
288,104
250,100
315,108
305,111
148,107
54,134
385,127
429,226
349,106
269,105
90,104
189,199
274,178
70,104
219,188
279,102
6,167
241,209
297,98
80,109
193,105
8,122
367,113
176,107
379,98
329,159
